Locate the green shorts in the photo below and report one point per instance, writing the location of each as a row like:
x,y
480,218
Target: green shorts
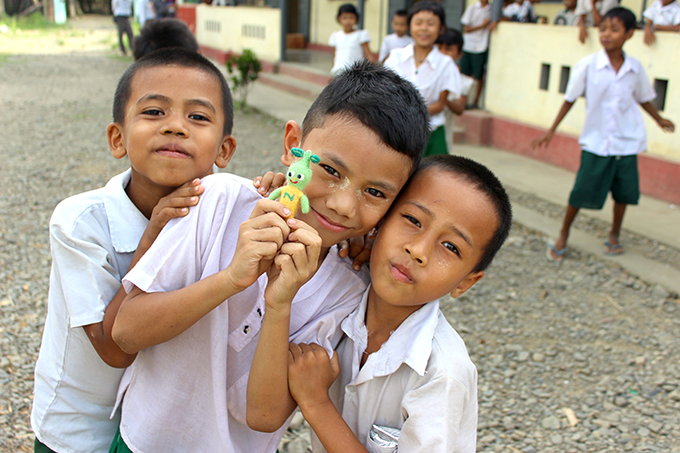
x,y
436,143
39,447
599,175
118,445
474,64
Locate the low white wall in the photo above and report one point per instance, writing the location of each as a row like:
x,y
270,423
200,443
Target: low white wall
x,y
233,29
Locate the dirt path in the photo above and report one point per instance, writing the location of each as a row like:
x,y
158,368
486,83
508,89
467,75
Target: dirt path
x,y
584,336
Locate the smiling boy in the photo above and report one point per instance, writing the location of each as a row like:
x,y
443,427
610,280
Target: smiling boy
x,y
196,301
172,117
400,367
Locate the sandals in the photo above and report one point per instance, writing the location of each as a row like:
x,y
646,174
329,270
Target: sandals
x,y
613,249
558,253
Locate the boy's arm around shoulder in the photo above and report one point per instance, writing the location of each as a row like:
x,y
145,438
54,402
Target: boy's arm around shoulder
x,y
176,297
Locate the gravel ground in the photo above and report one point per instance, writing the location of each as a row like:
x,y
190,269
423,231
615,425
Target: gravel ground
x,y
571,358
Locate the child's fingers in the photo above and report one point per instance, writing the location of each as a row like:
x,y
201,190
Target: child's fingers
x,y
269,182
343,248
266,205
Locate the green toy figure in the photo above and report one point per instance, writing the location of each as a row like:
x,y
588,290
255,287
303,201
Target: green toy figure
x,y
298,176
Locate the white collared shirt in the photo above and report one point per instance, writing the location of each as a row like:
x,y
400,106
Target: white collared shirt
x,y
585,8
121,7
391,42
663,15
348,48
435,75
420,381
475,15
613,125
93,236
189,394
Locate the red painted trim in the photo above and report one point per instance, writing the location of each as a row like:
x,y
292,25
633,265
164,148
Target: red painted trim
x,y
187,14
658,176
320,47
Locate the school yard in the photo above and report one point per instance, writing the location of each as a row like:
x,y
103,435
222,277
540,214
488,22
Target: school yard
x,y
571,358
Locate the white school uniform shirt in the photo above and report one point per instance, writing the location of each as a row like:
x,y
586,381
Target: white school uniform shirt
x,y
613,125
663,15
93,236
436,74
475,15
511,10
585,8
392,42
189,394
348,48
121,7
421,381
526,12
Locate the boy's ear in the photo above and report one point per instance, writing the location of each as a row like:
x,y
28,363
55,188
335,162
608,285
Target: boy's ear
x,y
471,279
226,151
292,139
629,33
114,135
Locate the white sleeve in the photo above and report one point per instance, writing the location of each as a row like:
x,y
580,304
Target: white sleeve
x,y
451,80
467,16
384,50
436,421
643,91
364,37
606,5
582,8
332,40
577,79
676,17
392,62
83,267
649,12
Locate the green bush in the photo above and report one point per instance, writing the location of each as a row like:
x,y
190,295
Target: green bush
x,y
243,71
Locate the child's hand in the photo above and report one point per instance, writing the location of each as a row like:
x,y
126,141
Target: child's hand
x,y
259,240
174,205
542,141
358,248
666,125
311,373
269,183
294,265
649,35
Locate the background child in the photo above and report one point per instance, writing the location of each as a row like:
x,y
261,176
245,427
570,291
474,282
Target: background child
x,y
399,38
432,72
401,365
590,12
350,44
476,20
613,133
186,391
662,15
96,237
567,15
156,34
122,10
451,43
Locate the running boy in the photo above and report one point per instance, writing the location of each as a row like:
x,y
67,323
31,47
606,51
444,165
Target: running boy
x,y
196,300
399,38
172,117
349,44
402,368
432,72
613,133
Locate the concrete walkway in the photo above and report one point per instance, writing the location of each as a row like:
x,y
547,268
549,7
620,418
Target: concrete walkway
x,y
653,219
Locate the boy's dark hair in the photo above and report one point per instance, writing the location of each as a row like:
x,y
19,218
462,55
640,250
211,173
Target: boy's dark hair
x,y
174,56
487,183
451,37
382,101
435,8
156,34
348,8
626,16
401,13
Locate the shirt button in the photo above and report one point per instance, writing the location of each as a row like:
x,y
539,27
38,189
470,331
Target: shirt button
x,y
246,330
259,312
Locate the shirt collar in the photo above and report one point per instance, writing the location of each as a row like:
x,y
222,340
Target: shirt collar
x,y
126,222
603,62
410,344
431,58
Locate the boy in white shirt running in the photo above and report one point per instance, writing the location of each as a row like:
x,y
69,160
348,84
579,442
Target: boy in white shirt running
x,y
400,368
197,299
399,38
613,133
96,237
